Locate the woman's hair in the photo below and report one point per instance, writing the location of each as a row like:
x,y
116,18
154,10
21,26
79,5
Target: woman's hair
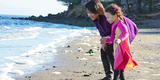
x,y
114,9
95,6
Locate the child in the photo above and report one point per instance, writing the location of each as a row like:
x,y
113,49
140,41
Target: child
x,y
120,40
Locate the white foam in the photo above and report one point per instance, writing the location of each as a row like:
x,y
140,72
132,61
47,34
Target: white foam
x,y
19,72
9,67
22,60
25,61
54,50
18,35
32,28
40,47
5,77
6,27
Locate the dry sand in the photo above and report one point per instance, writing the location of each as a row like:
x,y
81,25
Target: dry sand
x,y
72,63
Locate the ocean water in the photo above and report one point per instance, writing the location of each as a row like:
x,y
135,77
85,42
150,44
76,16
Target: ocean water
x,y
25,45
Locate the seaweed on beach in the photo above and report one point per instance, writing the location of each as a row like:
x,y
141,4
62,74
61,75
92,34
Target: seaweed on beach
x,y
90,51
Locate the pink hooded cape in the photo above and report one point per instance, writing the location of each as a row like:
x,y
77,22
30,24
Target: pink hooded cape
x,y
123,57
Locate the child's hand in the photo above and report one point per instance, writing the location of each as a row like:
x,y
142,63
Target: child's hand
x,y
103,40
117,41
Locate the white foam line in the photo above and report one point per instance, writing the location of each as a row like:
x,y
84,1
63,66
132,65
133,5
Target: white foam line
x,y
5,77
19,72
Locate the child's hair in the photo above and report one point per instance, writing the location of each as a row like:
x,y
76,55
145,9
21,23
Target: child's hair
x,y
95,6
114,9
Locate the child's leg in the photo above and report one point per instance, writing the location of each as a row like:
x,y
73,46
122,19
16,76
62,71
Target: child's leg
x,y
118,74
122,75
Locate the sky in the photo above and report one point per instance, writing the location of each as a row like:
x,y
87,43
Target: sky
x,y
31,7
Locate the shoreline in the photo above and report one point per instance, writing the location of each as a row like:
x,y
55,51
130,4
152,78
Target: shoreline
x,y
72,64
82,22
61,65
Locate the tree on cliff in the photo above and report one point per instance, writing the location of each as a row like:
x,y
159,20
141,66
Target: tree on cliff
x,y
138,6
70,2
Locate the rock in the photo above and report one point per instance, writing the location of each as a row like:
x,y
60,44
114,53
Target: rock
x,y
27,55
49,15
21,18
68,46
29,77
32,17
78,12
40,17
14,18
78,16
83,2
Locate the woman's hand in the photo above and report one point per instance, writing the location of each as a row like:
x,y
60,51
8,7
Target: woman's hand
x,y
104,47
117,41
103,40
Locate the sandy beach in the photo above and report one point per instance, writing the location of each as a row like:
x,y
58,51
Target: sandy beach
x,y
72,62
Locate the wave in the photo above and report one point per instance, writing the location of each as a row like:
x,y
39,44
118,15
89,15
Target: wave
x,y
18,35
31,28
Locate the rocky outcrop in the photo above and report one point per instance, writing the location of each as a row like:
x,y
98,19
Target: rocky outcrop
x,y
83,2
78,12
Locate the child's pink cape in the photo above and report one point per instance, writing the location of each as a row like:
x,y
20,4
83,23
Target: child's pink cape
x,y
123,57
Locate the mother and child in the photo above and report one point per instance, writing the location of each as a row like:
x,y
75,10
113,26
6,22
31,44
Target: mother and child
x,y
117,32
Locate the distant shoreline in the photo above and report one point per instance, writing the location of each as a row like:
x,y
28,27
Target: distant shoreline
x,y
54,18
82,22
